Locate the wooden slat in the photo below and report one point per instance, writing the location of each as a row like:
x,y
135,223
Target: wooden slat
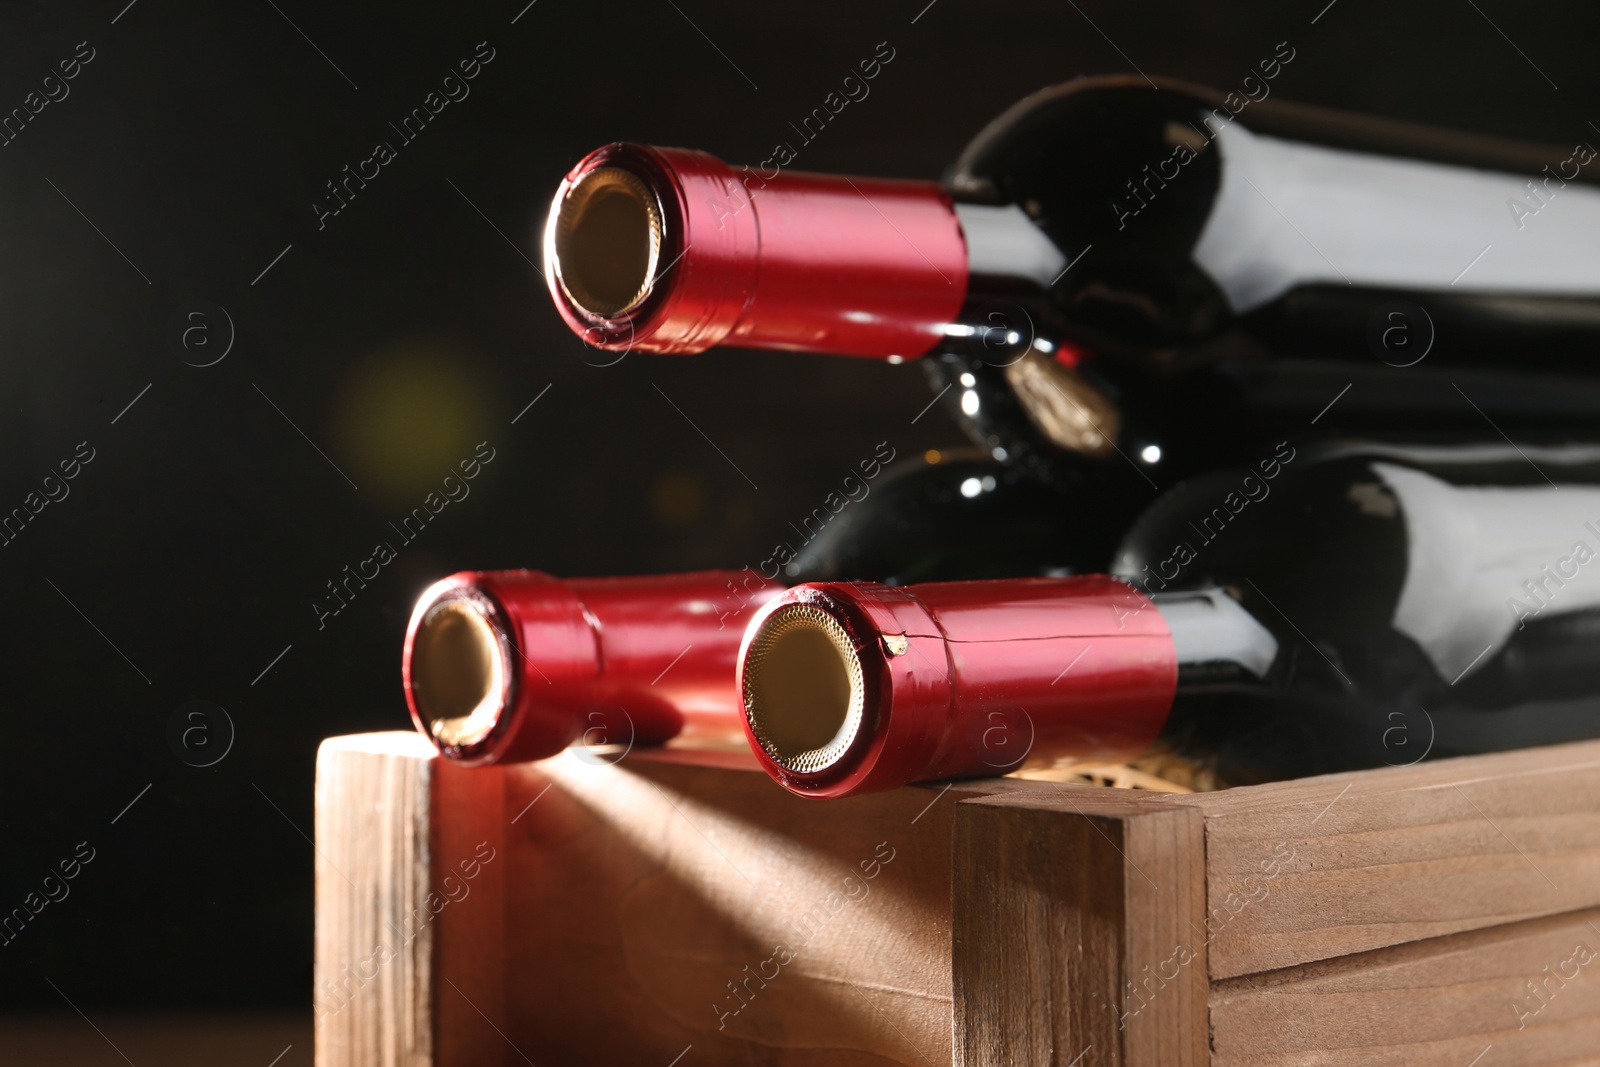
x,y
390,926
1448,1002
470,871
622,902
1399,854
642,891
1078,931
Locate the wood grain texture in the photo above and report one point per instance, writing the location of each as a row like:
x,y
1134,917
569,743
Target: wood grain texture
x,y
1079,931
630,911
470,868
1519,995
405,903
711,909
582,910
1399,854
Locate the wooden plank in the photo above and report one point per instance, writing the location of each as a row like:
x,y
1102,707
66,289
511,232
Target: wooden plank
x,y
1519,995
631,911
406,905
1398,854
709,908
470,870
1079,930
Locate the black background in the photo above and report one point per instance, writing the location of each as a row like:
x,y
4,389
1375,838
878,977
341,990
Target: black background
x,y
408,329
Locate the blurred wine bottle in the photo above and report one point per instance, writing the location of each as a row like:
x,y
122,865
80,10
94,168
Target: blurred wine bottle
x,y
959,515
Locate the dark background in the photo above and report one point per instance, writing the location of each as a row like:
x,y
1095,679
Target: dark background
x,y
191,548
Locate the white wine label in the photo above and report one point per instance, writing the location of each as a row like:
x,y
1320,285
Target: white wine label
x,y
1291,214
1485,561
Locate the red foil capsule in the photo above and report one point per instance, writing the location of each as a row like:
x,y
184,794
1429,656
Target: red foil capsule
x,y
672,250
517,665
855,687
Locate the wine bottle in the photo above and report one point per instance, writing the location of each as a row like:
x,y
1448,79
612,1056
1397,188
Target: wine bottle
x,y
1327,609
1103,245
1429,600
936,517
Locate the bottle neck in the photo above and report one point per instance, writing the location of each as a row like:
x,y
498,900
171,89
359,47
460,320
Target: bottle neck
x,y
1215,638
503,666
854,687
698,254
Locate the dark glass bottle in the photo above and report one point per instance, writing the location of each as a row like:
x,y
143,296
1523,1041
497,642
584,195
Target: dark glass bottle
x,y
1228,266
1188,214
935,520
1425,601
1322,610
1116,267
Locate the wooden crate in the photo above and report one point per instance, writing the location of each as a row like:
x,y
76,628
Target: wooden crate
x,y
662,911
